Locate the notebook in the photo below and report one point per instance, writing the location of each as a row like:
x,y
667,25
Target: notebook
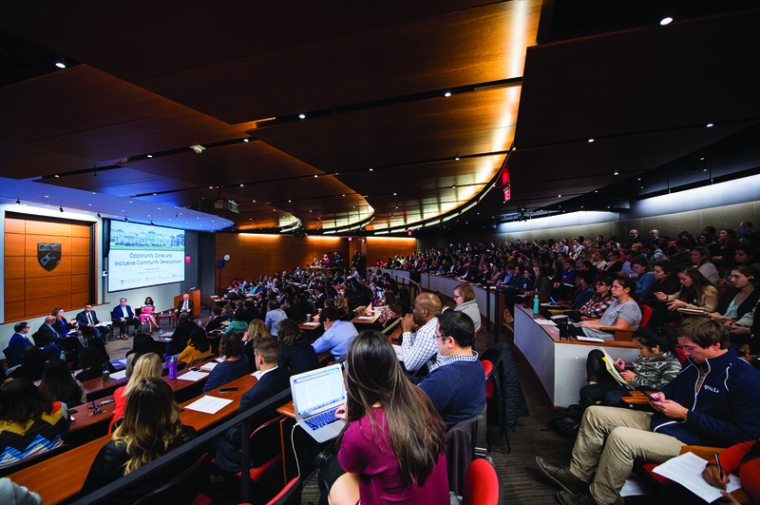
x,y
316,396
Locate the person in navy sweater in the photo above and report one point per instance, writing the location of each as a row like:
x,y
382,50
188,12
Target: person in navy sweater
x,y
714,401
457,386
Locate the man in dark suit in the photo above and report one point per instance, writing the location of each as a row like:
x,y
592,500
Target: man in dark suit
x,y
19,341
273,380
185,306
88,320
124,316
47,335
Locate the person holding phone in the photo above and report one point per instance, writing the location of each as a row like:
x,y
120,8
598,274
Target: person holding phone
x,y
714,401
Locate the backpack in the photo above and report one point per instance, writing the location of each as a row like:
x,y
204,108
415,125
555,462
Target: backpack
x,y
567,422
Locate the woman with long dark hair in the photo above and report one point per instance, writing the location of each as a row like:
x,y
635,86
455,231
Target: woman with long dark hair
x,y
623,313
393,447
30,423
59,386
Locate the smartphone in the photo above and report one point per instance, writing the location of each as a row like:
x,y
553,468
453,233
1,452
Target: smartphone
x,y
228,390
195,369
73,411
649,395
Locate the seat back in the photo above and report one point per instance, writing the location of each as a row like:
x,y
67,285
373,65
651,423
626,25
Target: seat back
x,y
10,361
482,485
487,367
287,494
646,313
391,327
460,451
183,489
265,441
680,354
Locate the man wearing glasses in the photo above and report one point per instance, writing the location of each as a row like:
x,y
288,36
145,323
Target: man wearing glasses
x,y
19,341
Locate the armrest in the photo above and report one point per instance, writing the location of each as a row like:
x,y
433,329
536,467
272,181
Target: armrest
x,y
623,335
701,451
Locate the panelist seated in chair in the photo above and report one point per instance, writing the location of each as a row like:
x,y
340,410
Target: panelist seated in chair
x,y
46,335
185,306
714,401
151,427
61,325
88,321
19,341
124,316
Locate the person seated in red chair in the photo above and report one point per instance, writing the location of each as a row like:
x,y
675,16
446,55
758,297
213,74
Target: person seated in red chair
x,y
714,401
185,306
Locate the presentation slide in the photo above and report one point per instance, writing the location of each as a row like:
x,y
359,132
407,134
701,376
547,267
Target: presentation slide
x,y
143,255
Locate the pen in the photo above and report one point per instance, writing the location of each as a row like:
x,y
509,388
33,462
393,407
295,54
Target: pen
x,y
717,462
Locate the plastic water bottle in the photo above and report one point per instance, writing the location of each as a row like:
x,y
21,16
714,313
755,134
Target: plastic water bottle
x,y
173,368
106,373
535,306
63,356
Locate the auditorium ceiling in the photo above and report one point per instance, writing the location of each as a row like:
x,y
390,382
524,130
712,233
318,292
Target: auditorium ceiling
x,y
344,116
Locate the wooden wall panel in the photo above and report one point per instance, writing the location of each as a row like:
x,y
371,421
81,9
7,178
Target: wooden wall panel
x,y
14,269
14,244
14,290
384,247
14,311
15,225
32,291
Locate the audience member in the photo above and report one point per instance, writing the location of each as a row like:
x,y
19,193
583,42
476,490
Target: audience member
x,y
622,314
696,293
724,410
644,276
464,297
598,304
457,386
337,336
274,315
296,353
142,344
393,449
91,362
150,429
655,366
700,257
30,424
418,347
273,380
238,325
198,348
235,362
146,366
59,386
32,365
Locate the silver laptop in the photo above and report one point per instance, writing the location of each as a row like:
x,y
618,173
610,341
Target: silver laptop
x,y
316,397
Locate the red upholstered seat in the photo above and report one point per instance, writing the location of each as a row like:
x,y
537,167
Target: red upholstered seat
x,y
202,499
646,314
488,367
680,354
482,485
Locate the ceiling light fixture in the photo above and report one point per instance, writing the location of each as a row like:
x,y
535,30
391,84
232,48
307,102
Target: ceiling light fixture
x,y
315,175
302,116
666,21
242,185
447,94
590,140
371,169
710,125
150,156
616,173
60,63
245,140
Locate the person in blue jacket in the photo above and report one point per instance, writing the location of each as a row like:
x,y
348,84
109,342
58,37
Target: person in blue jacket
x,y
714,401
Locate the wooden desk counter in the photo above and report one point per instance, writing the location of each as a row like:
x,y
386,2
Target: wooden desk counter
x,y
560,365
369,316
288,410
202,421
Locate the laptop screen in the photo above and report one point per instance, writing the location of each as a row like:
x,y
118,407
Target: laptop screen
x,y
317,389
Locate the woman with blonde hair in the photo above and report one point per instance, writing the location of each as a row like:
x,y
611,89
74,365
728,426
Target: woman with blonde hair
x,y
147,365
151,428
256,329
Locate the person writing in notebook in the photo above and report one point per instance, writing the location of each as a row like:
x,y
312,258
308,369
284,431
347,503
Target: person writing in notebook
x,y
714,401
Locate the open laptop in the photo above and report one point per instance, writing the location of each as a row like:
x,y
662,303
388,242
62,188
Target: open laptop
x,y
316,396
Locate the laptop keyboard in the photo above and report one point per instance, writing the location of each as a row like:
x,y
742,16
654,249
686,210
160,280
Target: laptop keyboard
x,y
322,419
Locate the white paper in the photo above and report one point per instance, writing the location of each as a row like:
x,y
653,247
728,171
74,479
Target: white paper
x,y
209,366
192,376
687,469
546,322
398,350
366,317
119,375
590,339
209,404
634,486
312,324
123,361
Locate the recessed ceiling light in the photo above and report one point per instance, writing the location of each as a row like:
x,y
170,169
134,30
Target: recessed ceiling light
x,y
245,140
254,201
394,194
46,196
302,116
315,175
93,193
590,140
371,169
666,21
290,201
242,185
454,186
448,93
559,196
616,173
344,194
56,176
710,125
150,156
60,64
154,194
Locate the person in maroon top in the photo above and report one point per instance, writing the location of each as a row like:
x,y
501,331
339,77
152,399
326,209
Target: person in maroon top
x,y
393,447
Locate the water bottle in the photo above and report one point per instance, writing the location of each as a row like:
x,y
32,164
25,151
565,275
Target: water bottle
x,y
106,373
172,368
535,306
63,356
168,352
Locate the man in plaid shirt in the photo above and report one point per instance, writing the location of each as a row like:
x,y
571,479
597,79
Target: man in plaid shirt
x,y
418,346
